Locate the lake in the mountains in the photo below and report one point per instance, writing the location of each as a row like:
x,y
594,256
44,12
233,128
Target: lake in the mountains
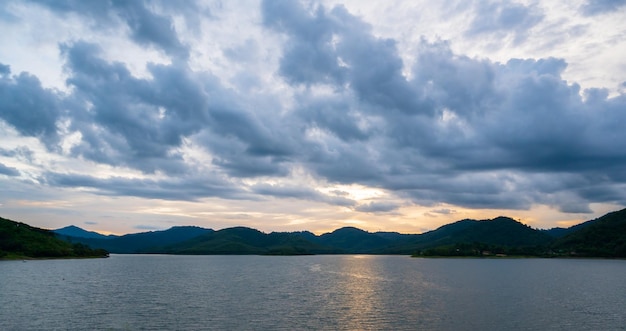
x,y
325,292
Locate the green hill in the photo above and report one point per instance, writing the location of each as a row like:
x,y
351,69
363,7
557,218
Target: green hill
x,y
501,235
498,231
353,240
74,231
19,240
144,242
242,240
603,237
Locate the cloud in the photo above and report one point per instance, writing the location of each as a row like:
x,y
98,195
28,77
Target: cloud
x,y
125,120
334,47
343,106
504,18
329,114
146,227
19,153
299,192
28,107
443,211
471,117
130,120
8,171
597,7
181,189
146,26
309,56
151,29
377,207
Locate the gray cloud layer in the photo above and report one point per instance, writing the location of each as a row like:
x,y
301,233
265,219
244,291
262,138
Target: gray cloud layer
x,y
595,7
8,171
147,27
460,130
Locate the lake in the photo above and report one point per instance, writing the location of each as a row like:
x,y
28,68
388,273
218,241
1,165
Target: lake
x,y
323,292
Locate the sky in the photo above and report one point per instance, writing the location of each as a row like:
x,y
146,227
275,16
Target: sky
x,y
132,116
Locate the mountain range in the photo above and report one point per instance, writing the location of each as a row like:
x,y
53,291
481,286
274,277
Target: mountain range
x,y
21,241
130,243
602,237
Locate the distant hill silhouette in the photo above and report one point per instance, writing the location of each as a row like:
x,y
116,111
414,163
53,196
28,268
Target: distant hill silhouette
x,y
560,232
471,237
353,240
20,240
74,231
499,236
140,242
242,240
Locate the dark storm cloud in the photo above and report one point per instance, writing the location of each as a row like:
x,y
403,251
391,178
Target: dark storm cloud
x,y
458,117
249,129
125,120
188,188
8,171
146,26
460,130
135,119
596,7
519,115
234,158
21,153
336,48
346,163
149,28
468,189
309,56
28,107
600,193
299,192
504,18
333,115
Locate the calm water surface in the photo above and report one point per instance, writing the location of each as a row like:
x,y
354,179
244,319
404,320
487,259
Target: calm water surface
x,y
344,292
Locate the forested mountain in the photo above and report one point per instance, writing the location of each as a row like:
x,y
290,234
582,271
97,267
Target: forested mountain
x,y
140,242
603,237
501,235
498,231
242,240
353,240
19,240
74,231
560,232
